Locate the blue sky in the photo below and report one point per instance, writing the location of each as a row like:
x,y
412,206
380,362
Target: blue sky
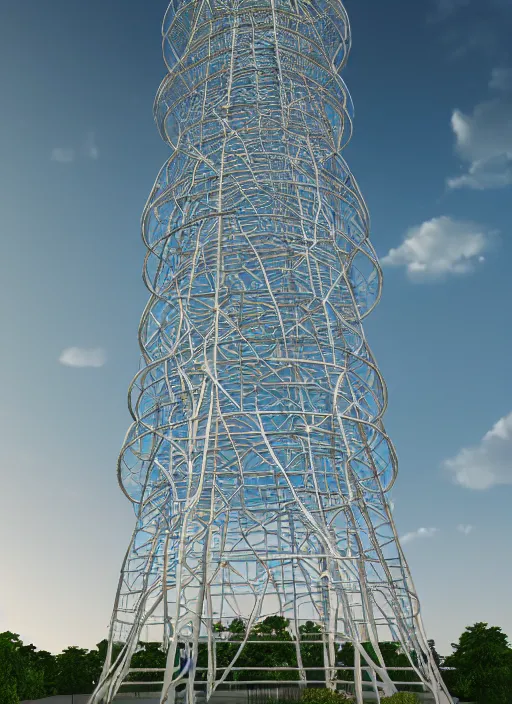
x,y
432,150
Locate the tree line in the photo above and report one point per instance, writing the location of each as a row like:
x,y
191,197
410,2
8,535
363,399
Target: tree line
x,y
479,669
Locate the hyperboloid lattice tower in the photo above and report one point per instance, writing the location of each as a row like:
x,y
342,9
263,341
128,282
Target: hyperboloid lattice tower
x,y
257,461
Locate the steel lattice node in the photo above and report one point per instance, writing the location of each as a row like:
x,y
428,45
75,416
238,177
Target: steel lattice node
x,y
257,461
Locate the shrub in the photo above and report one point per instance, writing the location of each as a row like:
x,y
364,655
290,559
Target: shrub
x,y
324,696
401,698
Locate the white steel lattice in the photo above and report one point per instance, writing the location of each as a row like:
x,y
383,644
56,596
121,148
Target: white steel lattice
x,y
257,460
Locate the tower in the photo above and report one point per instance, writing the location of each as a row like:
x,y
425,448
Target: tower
x,y
257,460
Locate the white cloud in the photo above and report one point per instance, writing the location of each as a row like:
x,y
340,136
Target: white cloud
x,y
63,155
501,79
79,357
91,148
487,464
464,528
439,247
484,138
447,7
420,533
66,155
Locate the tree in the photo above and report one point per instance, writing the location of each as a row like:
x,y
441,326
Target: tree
x,y
268,655
8,669
76,671
31,685
312,653
101,650
21,665
148,655
225,650
483,666
392,655
37,672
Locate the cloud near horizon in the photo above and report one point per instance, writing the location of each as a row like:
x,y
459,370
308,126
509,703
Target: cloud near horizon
x,y
440,247
420,533
487,464
80,357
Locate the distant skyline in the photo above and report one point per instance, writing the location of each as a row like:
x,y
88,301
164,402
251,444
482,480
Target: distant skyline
x,y
432,151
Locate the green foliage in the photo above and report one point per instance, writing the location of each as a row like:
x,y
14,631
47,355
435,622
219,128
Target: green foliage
x,y
323,696
37,672
401,698
148,655
312,654
101,650
483,666
8,669
32,685
21,669
268,655
77,670
391,654
28,673
8,693
48,664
